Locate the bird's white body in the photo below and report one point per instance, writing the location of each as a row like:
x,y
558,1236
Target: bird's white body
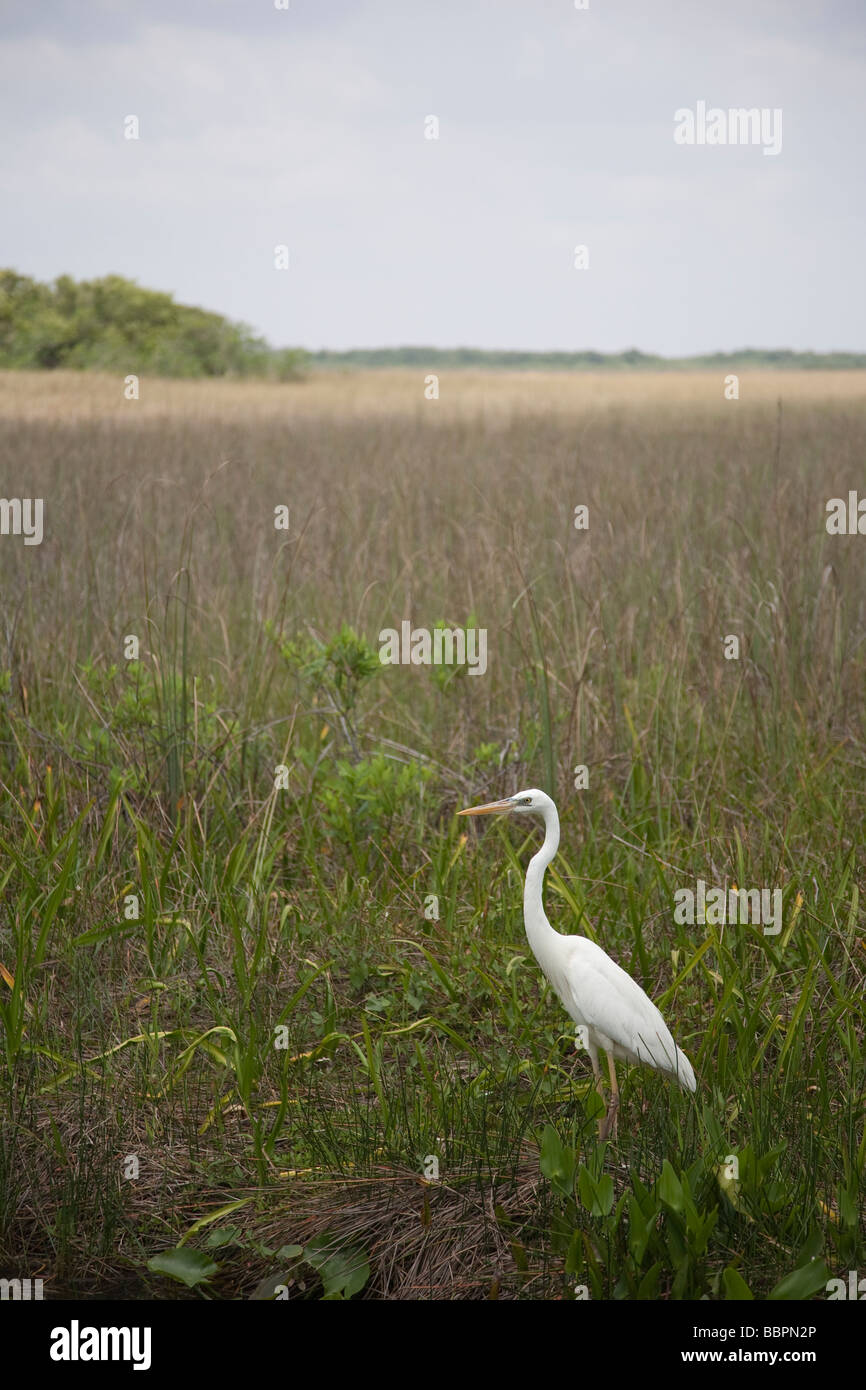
x,y
619,1018
587,981
596,992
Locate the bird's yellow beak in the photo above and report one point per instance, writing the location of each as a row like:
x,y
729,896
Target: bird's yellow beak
x,y
489,809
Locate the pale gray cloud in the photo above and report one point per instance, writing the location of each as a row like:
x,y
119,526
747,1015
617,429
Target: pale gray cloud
x,y
306,127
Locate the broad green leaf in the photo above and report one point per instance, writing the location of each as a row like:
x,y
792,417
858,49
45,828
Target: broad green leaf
x,y
736,1288
344,1269
802,1283
229,1235
648,1286
557,1162
188,1267
597,1197
670,1188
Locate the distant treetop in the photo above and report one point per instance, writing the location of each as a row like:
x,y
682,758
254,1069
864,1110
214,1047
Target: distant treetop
x,y
113,324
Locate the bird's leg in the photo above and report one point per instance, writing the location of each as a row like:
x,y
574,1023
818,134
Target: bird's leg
x,y
609,1125
599,1083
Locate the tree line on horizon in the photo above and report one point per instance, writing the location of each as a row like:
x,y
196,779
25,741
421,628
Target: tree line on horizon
x,y
113,324
630,360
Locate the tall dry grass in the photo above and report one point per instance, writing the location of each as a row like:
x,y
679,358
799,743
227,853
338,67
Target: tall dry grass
x,y
306,906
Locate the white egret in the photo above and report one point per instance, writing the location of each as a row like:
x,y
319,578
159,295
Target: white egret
x,y
601,998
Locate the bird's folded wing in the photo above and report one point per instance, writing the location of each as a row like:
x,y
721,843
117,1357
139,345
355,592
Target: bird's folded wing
x,y
602,992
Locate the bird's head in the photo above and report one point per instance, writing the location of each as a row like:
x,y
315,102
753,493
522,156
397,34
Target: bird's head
x,y
530,802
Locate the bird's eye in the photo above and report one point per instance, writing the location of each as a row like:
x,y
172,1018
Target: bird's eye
x,y
526,801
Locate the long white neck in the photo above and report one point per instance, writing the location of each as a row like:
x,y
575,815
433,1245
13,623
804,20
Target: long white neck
x,y
539,932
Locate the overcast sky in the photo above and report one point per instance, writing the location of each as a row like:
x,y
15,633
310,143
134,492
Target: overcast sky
x,y
306,127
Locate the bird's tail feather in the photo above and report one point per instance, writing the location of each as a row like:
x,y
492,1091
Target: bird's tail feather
x,y
685,1072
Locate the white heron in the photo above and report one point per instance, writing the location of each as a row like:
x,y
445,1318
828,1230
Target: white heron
x,y
601,998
